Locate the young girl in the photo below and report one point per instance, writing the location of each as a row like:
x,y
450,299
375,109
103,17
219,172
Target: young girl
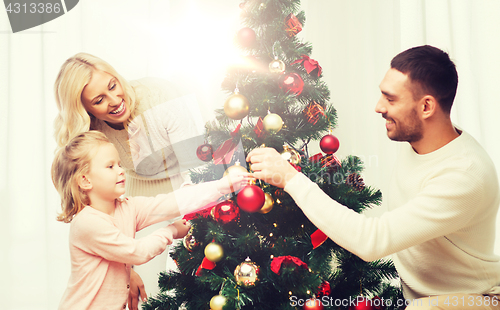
x,y
90,180
91,95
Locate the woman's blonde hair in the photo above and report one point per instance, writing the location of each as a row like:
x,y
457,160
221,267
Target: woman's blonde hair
x,y
71,162
74,75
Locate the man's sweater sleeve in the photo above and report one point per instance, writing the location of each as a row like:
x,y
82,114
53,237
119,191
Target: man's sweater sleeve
x,y
444,206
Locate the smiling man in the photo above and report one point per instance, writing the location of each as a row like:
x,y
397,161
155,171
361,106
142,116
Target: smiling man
x,y
417,95
444,195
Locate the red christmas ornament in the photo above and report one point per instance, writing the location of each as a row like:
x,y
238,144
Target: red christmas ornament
x,y
324,289
313,112
316,158
331,162
246,37
292,25
226,211
329,144
313,304
292,82
363,303
251,198
205,152
280,193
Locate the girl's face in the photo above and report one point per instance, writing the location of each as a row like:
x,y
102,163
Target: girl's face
x,y
104,98
106,176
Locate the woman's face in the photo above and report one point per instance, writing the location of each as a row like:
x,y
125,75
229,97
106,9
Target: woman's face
x,y
104,98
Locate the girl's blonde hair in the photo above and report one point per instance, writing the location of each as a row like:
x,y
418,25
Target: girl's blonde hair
x,y
74,75
71,162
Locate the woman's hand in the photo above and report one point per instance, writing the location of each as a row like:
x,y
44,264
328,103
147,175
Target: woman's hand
x,y
233,182
182,227
136,290
269,166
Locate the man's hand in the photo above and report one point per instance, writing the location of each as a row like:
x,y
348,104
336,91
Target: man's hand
x,y
136,290
269,166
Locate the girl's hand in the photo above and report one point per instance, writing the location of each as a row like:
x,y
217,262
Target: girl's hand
x,y
233,182
182,227
136,290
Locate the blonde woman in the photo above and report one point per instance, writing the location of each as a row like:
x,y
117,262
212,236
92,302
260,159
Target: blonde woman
x,y
149,122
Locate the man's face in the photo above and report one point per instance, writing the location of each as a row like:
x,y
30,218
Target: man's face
x,y
398,107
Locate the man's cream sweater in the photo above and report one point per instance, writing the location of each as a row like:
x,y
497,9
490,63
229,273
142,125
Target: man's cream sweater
x,y
440,224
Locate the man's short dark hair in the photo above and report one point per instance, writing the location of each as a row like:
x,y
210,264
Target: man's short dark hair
x,y
431,72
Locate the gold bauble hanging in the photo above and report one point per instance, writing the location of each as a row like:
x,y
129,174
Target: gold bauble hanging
x,y
189,241
268,204
236,106
272,122
237,167
214,252
291,155
277,66
217,302
247,273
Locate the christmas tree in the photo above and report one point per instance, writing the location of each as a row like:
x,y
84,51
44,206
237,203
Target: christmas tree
x,y
256,249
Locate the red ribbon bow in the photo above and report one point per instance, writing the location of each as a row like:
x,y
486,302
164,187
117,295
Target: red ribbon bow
x,y
278,261
259,128
225,152
318,238
204,212
309,64
205,264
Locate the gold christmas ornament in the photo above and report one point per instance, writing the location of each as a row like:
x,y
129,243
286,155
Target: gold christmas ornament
x,y
217,302
214,252
247,273
237,167
189,241
290,155
277,66
268,204
272,122
236,106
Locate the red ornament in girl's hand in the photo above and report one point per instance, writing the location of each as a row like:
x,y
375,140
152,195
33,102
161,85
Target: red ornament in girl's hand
x,y
329,144
251,198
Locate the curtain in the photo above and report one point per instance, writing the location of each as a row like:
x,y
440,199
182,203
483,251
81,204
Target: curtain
x,y
191,41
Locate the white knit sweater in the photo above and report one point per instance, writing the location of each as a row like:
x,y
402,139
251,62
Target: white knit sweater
x,y
440,224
